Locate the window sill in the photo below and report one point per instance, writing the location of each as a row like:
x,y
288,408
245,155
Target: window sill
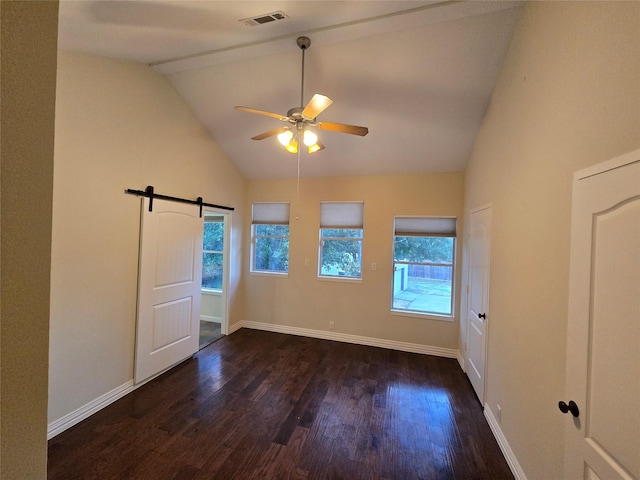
x,y
211,291
327,278
428,316
269,274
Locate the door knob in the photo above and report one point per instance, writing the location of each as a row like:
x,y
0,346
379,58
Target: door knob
x,y
571,407
482,315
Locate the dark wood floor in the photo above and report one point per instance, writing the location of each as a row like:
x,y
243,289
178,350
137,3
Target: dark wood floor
x,y
261,405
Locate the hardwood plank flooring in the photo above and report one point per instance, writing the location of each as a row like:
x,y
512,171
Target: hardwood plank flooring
x,y
262,405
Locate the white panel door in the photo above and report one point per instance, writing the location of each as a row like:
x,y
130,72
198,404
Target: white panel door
x,y
478,297
169,286
603,337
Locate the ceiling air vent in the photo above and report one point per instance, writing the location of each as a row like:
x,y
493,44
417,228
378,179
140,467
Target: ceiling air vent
x,y
266,18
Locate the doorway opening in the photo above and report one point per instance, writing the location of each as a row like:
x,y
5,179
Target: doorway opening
x,y
213,305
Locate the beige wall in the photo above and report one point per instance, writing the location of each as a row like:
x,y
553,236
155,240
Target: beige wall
x,y
568,97
119,125
29,47
302,300
211,306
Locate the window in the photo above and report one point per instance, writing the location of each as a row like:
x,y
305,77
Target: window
x,y
270,238
341,239
212,249
423,265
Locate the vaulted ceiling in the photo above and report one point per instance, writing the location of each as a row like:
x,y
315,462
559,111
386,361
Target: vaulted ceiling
x,y
418,74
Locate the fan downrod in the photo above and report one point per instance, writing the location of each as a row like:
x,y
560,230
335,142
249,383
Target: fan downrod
x,y
301,117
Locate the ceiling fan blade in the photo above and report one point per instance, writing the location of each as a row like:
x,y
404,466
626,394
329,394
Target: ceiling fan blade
x,y
284,118
343,128
270,133
317,105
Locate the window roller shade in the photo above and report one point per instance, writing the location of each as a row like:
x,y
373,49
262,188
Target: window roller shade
x,y
212,217
425,226
349,215
270,213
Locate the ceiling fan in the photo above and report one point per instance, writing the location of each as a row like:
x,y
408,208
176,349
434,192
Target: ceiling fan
x,y
302,119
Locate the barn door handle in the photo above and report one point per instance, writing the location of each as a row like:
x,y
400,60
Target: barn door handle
x,y
571,407
482,315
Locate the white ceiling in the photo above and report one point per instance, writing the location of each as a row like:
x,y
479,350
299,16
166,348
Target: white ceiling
x,y
418,74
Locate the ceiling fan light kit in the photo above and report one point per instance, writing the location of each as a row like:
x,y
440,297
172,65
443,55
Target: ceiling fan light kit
x,y
285,137
309,138
303,118
292,146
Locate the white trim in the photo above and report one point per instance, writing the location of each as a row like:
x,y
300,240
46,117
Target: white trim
x,y
69,420
337,278
226,255
465,314
58,426
267,273
72,418
235,327
460,359
616,162
356,339
211,292
209,318
509,456
226,272
427,316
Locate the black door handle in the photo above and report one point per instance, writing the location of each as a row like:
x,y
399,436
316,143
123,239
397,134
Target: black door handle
x,y
571,407
482,315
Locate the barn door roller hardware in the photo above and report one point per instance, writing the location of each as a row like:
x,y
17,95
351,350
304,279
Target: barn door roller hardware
x,y
150,194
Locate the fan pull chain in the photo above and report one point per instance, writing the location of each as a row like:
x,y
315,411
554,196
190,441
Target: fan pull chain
x,y
298,189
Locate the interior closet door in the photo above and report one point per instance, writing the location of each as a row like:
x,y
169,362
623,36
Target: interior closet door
x,y
169,281
603,335
478,297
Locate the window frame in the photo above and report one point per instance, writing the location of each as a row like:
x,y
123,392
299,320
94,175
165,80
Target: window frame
x,y
441,227
221,252
350,218
269,213
323,239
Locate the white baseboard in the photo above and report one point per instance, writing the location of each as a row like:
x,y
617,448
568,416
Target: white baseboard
x,y
460,361
512,461
234,327
347,338
70,419
209,318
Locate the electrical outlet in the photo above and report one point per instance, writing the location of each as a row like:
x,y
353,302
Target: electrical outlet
x,y
306,262
331,325
374,267
498,413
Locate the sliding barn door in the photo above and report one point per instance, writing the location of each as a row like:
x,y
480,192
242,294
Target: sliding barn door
x,y
169,286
